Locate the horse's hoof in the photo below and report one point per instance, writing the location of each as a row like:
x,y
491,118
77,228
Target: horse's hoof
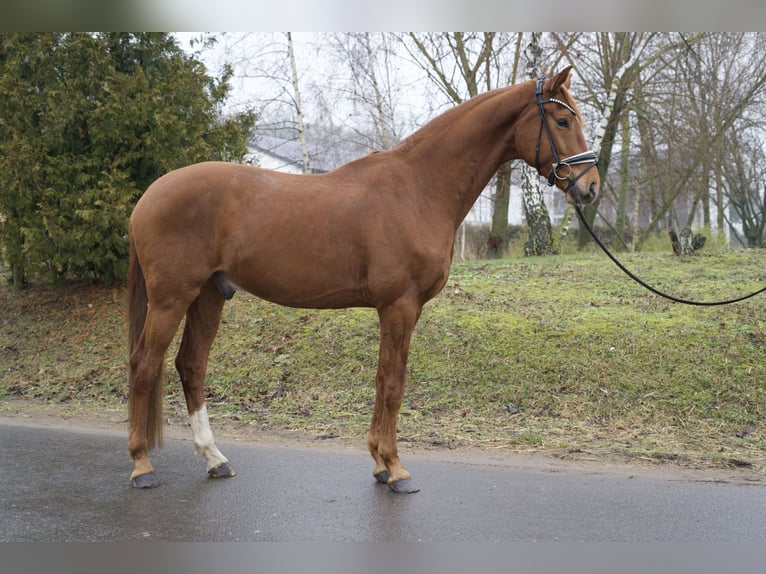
x,y
223,470
148,480
403,486
382,476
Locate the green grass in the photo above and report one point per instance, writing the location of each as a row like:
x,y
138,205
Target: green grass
x,y
587,359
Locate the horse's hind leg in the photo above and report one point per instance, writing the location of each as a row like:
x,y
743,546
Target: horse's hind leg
x,y
146,378
202,320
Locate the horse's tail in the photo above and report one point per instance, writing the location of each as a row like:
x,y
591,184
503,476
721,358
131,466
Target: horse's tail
x,y
137,302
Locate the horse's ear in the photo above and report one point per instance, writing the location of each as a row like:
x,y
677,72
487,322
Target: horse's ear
x,y
563,78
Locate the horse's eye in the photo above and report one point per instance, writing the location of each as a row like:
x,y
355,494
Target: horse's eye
x,y
562,123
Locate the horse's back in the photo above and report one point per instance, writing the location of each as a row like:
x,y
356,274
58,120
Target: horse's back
x,y
291,239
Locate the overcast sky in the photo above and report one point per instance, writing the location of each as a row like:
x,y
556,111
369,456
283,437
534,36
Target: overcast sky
x,y
317,71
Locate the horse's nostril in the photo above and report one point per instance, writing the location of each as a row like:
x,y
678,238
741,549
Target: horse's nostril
x,y
590,194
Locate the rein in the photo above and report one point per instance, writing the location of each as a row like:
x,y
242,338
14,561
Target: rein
x,y
603,247
591,158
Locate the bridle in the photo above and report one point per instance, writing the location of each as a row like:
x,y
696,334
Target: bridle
x,y
580,158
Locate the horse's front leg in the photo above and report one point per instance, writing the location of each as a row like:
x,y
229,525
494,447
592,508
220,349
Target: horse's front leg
x,y
396,325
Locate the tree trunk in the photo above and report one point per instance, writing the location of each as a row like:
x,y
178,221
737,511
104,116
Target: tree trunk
x,y
719,206
18,274
538,219
498,233
563,231
378,118
613,108
298,105
621,224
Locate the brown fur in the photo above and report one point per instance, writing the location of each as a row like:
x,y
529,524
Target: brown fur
x,y
377,232
137,302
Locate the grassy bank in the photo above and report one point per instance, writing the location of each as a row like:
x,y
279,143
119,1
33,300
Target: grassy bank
x,y
559,353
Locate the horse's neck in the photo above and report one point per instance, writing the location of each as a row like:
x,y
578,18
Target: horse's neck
x,y
461,150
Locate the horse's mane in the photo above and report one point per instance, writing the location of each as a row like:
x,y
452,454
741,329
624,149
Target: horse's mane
x,y
448,118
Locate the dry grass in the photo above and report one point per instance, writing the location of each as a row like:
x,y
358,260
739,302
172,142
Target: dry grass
x,y
559,354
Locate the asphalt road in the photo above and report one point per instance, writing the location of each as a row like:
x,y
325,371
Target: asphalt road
x,y
61,484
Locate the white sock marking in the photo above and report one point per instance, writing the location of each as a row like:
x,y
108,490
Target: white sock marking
x,y
203,439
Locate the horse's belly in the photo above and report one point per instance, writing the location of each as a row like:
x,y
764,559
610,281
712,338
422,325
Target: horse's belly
x,y
301,284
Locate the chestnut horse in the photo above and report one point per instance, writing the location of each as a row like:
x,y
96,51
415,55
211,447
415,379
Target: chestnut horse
x,y
376,232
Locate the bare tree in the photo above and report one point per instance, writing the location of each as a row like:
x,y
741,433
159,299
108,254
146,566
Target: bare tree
x,y
298,104
538,218
609,64
744,185
270,64
664,103
461,65
661,104
719,96
373,87
700,104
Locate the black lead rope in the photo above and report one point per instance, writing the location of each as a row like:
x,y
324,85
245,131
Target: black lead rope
x,y
649,287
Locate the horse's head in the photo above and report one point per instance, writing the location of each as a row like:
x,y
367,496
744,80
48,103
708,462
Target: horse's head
x,y
560,153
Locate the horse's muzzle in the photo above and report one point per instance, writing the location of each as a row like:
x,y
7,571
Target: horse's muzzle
x,y
583,194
